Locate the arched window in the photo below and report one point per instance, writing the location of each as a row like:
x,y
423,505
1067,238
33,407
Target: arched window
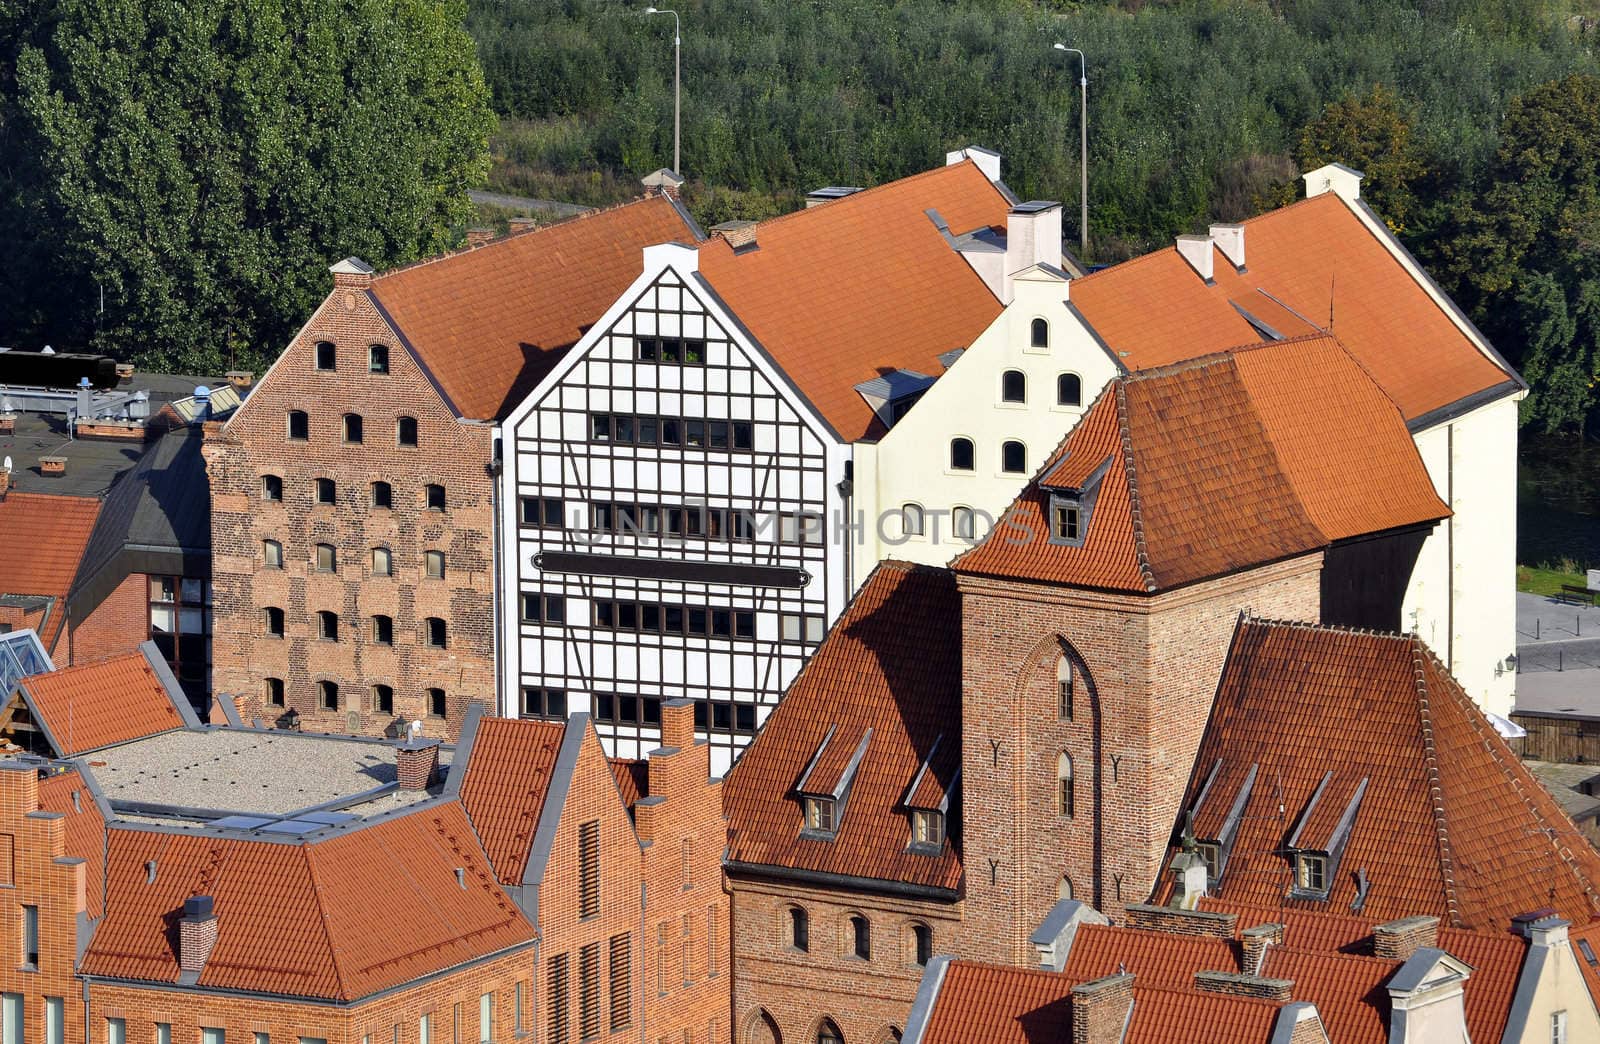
x,y
272,554
799,929
1039,334
1065,682
861,937
922,944
1013,386
352,427
328,695
965,523
383,630
1014,458
828,1033
382,562
382,495
377,358
271,487
961,454
1064,796
299,425
327,491
435,635
382,699
911,520
406,431
328,625
326,358
1064,889
274,620
1069,390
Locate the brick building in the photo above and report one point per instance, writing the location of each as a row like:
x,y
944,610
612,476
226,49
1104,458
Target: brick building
x,y
353,510
181,882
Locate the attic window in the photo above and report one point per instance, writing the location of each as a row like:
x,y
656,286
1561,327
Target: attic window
x,y
1311,872
1065,521
1014,458
378,358
1211,852
820,814
961,454
927,828
1039,334
325,355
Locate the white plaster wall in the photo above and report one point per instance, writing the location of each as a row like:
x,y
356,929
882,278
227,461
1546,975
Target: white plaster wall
x,y
1560,987
1462,595
911,463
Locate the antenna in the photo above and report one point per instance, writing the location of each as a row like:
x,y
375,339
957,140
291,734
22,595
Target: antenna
x,y
1333,281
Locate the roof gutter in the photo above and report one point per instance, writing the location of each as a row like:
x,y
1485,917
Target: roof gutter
x,y
828,880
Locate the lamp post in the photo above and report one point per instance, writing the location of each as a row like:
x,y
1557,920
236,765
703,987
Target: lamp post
x,y
677,68
1083,161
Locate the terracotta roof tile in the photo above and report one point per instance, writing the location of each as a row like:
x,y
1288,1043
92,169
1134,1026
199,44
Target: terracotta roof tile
x,y
633,778
303,919
1162,959
45,538
86,829
94,705
1451,823
505,785
489,323
891,663
1348,990
1155,310
1219,464
843,292
1496,959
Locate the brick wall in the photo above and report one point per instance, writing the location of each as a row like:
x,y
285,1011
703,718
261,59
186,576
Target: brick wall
x,y
451,453
1147,672
116,626
778,986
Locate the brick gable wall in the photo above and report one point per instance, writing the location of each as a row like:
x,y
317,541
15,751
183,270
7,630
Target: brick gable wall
x,y
116,626
1148,669
449,452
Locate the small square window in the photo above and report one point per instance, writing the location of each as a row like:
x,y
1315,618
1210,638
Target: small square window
x,y
327,559
382,495
352,428
327,492
1311,872
383,699
378,358
927,828
382,562
435,632
271,487
299,425
383,630
327,358
328,695
272,554
328,625
820,814
435,497
1065,522
433,564
274,621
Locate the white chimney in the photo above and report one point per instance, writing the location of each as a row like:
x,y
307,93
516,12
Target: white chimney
x,y
1336,178
1033,236
987,160
1230,240
1189,880
1197,251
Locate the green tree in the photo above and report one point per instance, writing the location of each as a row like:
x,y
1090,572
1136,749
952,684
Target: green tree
x,y
196,164
1372,133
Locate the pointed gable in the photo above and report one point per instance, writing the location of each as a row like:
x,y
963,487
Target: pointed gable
x,y
99,704
505,786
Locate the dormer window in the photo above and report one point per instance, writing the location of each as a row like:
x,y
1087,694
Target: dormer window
x,y
1311,871
820,813
1065,521
927,828
1212,854
824,788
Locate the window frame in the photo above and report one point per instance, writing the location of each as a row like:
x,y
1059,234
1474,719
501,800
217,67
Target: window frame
x,y
1039,325
1006,449
438,702
387,502
332,565
353,427
970,455
378,629
325,492
375,353
304,425
273,621
272,489
1013,388
326,688
325,357
1061,399
386,555
400,423
428,497
430,557
429,625
327,625
272,553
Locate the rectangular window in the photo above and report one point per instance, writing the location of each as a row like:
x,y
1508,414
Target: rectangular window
x,y
425,1030
801,627
589,991
543,608
820,814
486,1018
556,979
1312,873
30,937
11,1018
260,1038
213,1035
1558,1027
694,432
55,1022
621,981
1066,523
589,868
327,559
543,512
116,1031
163,1033
927,828
684,960
433,564
325,355
378,358
519,1014
711,942
549,704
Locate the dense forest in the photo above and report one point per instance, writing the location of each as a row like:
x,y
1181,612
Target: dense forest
x,y
1476,122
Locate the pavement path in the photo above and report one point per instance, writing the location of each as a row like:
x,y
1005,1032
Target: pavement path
x,y
548,206
1558,655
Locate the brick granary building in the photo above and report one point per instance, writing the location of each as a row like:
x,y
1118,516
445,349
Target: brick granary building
x,y
177,882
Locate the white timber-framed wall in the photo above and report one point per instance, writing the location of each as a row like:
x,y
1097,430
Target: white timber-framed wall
x,y
773,457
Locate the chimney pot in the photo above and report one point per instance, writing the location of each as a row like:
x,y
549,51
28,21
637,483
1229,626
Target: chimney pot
x,y
415,762
1197,251
1256,940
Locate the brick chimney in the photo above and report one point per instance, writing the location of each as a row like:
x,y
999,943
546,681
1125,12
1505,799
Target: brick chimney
x,y
1197,251
677,724
1398,940
1100,1009
1180,922
415,761
197,934
241,379
738,233
478,236
1256,940
352,272
1233,984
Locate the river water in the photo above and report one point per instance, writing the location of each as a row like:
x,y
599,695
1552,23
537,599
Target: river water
x,y
1558,501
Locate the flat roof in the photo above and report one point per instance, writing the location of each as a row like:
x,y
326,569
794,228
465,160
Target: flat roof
x,y
259,773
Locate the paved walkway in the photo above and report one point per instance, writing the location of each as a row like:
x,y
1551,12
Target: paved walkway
x,y
549,206
1558,655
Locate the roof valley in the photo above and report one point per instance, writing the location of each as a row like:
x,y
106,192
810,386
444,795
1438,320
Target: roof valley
x,y
1430,758
1135,512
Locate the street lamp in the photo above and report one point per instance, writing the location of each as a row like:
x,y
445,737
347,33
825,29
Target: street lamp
x,y
677,68
1083,162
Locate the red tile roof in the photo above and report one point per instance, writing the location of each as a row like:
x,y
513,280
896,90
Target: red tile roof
x,y
505,785
86,829
892,663
1280,470
1348,990
489,323
998,1004
1496,961
46,535
1163,959
94,705
1314,257
308,919
843,292
1451,823
633,778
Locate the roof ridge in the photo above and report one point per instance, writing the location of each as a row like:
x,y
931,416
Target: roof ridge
x,y
1430,760
335,957
855,197
1475,722
510,237
1135,507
